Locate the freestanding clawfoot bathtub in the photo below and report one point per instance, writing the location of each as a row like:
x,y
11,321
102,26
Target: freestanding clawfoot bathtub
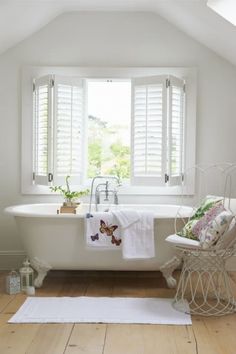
x,y
56,241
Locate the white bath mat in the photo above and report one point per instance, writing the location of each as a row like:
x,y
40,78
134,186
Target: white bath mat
x,y
99,310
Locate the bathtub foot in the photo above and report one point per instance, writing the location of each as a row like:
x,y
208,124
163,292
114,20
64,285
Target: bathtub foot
x,y
168,268
42,269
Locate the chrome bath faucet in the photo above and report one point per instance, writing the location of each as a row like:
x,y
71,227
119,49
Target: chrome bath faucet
x,y
104,188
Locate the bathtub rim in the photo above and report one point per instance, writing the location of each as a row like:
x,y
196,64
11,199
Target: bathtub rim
x,y
16,211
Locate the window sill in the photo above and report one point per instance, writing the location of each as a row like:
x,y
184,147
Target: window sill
x,y
123,190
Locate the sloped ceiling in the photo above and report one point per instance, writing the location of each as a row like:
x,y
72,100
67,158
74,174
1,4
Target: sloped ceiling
x,y
21,18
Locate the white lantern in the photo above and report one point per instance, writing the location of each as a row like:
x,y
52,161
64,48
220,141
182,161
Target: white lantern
x,y
26,276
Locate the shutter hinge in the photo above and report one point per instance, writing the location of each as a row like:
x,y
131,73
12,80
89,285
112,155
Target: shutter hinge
x,y
50,177
33,176
184,88
34,86
182,177
167,83
166,177
52,82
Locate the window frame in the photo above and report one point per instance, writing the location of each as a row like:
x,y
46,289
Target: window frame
x,y
31,72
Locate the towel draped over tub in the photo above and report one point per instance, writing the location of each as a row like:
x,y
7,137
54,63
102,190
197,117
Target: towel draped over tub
x,y
131,231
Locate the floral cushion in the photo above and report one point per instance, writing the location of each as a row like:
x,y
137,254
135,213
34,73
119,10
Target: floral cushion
x,y
229,237
210,215
215,229
208,203
187,230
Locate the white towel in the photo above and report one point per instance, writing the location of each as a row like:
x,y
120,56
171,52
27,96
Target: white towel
x,y
126,218
137,232
102,231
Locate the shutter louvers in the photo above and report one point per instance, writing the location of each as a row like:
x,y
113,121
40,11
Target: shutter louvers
x,y
176,97
42,129
68,129
148,145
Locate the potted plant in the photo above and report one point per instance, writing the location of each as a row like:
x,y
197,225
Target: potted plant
x,y
69,196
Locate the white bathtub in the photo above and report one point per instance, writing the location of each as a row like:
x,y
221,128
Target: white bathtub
x,y
56,241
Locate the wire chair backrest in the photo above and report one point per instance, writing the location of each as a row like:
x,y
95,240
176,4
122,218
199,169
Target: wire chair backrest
x,y
211,179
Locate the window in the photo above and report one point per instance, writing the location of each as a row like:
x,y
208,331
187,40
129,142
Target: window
x,y
158,107
224,8
108,132
131,125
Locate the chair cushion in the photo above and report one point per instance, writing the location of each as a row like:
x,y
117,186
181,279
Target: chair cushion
x,y
180,241
226,240
203,223
229,237
208,203
215,229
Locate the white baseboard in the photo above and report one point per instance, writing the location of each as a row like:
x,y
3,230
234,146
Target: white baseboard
x,y
11,259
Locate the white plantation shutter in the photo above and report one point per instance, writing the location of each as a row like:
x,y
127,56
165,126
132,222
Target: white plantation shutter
x,y
68,129
42,95
176,117
149,103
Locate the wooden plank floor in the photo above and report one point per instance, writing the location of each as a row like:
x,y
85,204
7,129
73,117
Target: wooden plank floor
x,y
205,336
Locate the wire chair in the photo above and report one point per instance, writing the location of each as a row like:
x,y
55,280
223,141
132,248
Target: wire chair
x,y
204,281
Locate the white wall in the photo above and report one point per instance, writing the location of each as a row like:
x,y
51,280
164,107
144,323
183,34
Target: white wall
x,y
110,39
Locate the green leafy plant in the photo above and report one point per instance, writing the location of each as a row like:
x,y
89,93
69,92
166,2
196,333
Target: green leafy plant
x,y
69,195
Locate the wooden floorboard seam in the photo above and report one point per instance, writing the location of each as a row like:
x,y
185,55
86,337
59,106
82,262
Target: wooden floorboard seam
x,y
7,304
69,337
195,340
105,339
